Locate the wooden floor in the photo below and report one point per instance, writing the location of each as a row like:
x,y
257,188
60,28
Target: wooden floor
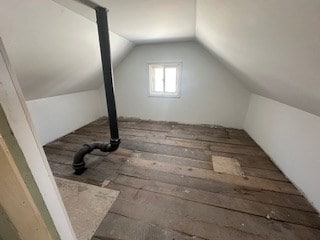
x,y
169,190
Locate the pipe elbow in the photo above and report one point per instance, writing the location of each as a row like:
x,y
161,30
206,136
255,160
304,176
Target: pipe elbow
x,y
78,160
112,146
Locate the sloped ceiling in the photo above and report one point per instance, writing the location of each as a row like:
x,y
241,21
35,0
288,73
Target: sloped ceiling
x,y
143,21
53,50
152,20
272,46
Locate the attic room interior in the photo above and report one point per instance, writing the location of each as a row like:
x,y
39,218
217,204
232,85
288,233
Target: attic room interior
x,y
159,119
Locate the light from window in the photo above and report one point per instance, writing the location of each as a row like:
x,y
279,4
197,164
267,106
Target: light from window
x,y
165,79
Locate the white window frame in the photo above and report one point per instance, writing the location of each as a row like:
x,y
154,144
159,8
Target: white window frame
x,y
178,66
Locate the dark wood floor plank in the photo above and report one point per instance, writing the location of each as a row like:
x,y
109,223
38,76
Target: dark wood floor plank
x,y
251,182
182,136
273,198
263,173
133,123
74,147
159,217
170,150
142,204
169,189
204,130
150,138
267,197
252,161
189,162
139,144
250,171
66,157
174,135
224,201
96,172
177,143
297,202
238,134
92,161
134,145
143,125
254,172
115,226
255,162
240,149
105,132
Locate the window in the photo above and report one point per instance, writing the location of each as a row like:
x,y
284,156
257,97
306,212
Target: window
x,y
164,79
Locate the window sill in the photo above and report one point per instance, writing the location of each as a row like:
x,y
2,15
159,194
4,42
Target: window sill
x,y
164,96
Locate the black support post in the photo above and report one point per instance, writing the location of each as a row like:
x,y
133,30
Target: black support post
x,y
104,39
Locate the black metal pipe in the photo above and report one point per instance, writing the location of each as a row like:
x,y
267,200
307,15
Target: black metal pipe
x,y
103,30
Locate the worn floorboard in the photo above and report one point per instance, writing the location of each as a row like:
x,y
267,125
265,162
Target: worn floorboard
x,y
168,189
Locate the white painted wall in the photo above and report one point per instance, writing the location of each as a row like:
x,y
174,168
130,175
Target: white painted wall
x,y
209,92
13,103
290,136
57,116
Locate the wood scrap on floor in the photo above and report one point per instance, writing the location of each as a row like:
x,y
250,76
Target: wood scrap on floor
x,y
227,165
86,205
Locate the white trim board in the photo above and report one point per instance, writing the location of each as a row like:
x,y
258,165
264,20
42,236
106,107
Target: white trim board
x,y
14,106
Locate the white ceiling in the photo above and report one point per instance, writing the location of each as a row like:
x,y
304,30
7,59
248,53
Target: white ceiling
x,y
272,46
145,20
152,20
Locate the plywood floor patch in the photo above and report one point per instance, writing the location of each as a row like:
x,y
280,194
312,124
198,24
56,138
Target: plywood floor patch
x,y
86,205
226,165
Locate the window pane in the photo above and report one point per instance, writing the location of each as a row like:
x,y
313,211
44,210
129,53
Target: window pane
x,y
171,79
158,79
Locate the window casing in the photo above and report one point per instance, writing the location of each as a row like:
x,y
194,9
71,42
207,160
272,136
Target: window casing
x,y
164,79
